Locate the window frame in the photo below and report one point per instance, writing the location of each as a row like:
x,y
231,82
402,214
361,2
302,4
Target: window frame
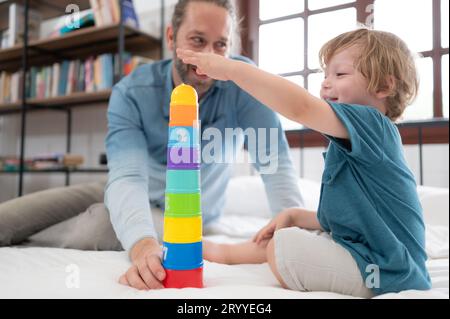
x,y
249,10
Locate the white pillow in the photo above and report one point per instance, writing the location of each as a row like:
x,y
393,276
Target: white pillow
x,y
246,196
435,205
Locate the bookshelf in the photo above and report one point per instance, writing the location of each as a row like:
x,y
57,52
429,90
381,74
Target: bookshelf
x,y
79,43
59,102
89,41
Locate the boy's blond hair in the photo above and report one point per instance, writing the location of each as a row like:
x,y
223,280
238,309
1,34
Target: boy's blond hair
x,y
385,61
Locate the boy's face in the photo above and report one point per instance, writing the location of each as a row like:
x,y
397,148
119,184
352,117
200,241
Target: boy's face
x,y
344,84
206,28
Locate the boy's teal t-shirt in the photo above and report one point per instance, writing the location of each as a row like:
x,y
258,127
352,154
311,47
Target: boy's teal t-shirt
x,y
369,202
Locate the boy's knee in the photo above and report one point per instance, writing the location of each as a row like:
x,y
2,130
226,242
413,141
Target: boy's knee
x,y
270,253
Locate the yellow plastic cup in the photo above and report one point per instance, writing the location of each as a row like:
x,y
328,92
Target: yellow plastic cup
x,y
184,95
182,230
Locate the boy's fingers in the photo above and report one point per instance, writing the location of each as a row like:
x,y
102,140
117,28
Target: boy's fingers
x,y
189,61
185,53
262,236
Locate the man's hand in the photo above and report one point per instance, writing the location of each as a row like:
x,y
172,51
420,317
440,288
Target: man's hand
x,y
147,271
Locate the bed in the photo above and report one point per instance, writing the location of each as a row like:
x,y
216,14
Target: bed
x,y
64,273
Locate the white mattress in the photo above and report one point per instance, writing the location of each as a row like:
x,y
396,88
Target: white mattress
x,y
49,272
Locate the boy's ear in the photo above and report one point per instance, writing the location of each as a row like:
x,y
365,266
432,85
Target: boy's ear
x,y
388,89
170,38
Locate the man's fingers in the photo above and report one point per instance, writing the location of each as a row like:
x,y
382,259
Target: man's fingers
x,y
149,279
134,279
123,280
154,263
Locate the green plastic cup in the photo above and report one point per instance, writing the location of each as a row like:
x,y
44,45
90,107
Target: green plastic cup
x,y
183,205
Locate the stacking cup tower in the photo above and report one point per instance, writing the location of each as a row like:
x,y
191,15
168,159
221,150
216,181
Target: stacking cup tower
x,y
182,240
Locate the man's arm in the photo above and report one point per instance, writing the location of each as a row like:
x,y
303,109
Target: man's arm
x,y
126,194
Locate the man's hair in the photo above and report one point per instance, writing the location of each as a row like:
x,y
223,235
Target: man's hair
x,y
383,56
180,10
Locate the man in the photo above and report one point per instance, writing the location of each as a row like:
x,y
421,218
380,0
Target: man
x,y
137,139
136,144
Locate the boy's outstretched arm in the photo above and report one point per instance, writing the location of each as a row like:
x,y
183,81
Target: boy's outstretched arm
x,y
281,95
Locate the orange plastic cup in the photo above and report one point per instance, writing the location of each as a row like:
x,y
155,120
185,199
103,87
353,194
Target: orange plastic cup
x,y
183,115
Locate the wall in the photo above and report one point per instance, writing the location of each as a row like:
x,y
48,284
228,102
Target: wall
x,y
46,133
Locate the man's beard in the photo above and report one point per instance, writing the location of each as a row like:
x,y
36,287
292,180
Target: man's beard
x,y
183,71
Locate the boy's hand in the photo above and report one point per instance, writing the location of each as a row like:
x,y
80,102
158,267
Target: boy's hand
x,y
213,65
282,220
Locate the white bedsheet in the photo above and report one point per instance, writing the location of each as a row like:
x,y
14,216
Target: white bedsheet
x,y
50,273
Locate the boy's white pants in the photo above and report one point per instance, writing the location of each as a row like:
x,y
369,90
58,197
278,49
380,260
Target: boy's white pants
x,y
312,261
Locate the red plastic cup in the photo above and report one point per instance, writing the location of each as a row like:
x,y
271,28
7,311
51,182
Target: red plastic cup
x,y
184,278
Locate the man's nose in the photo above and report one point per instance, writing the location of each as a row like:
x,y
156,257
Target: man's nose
x,y
208,48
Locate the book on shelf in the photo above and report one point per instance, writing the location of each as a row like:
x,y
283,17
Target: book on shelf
x,y
10,87
78,21
42,162
56,161
16,25
72,22
95,73
4,38
107,12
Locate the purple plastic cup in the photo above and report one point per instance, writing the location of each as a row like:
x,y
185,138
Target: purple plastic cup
x,y
183,158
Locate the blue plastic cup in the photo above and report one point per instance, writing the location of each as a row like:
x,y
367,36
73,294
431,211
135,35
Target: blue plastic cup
x,y
183,136
182,181
182,256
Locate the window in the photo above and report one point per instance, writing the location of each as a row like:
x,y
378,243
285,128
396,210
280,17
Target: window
x,y
277,55
291,32
416,28
445,83
418,36
270,9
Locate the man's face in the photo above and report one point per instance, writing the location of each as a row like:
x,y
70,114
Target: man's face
x,y
206,28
